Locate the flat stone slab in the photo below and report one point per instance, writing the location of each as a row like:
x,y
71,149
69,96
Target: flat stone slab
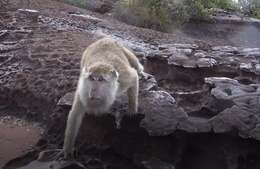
x,y
235,106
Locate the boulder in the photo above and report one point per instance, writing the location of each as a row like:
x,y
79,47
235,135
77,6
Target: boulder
x,y
23,15
101,6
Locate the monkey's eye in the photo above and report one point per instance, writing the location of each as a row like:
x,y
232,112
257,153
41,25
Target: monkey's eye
x,y
91,77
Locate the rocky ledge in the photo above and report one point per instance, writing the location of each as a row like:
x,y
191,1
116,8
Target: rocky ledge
x,y
199,90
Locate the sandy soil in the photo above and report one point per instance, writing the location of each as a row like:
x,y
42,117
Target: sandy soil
x,y
16,138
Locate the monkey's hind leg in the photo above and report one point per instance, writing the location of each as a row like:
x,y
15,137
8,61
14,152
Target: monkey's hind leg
x,y
134,62
73,124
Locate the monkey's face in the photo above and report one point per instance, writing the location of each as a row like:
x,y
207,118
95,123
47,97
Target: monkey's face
x,y
99,89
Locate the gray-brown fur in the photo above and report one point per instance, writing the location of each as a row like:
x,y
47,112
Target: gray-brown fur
x,y
107,69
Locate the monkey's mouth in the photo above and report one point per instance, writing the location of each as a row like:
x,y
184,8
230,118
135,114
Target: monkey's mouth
x,y
95,101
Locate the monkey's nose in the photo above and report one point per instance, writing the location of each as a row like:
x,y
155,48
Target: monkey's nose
x,y
94,98
91,97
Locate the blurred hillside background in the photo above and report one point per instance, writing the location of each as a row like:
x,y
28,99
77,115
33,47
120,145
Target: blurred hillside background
x,y
163,15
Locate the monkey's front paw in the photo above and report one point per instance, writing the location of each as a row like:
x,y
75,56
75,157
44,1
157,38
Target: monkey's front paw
x,y
69,155
61,156
118,119
54,155
132,111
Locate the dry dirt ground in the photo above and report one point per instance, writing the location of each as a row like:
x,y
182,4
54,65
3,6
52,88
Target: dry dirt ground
x,y
39,62
17,137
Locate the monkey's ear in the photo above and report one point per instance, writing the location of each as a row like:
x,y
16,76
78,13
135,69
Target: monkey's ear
x,y
85,70
85,73
114,73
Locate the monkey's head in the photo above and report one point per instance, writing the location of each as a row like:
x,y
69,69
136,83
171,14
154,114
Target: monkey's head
x,y
99,87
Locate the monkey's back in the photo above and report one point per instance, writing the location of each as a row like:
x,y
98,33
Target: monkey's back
x,y
105,50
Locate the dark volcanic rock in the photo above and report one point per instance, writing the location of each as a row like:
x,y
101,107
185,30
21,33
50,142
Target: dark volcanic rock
x,y
53,165
23,15
191,56
243,113
157,164
101,6
161,113
229,104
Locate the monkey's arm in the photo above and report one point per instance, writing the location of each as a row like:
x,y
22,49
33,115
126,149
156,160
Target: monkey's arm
x,y
132,94
73,124
134,62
